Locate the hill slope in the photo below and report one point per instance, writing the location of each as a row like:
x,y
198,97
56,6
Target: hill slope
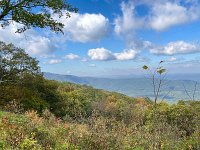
x,y
172,91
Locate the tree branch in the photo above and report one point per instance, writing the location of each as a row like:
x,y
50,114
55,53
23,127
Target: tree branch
x,y
195,88
186,91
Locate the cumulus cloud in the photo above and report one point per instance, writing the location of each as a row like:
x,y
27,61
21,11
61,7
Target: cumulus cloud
x,y
85,27
160,15
165,15
31,41
79,27
125,55
103,54
71,56
100,54
53,61
178,47
38,46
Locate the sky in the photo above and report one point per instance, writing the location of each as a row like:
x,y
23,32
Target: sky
x,y
116,38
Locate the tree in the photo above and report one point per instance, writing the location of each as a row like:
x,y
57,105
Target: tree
x,y
14,63
21,81
157,80
34,13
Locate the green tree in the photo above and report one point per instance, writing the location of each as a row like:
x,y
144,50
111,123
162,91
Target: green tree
x,y
17,69
22,81
34,13
14,63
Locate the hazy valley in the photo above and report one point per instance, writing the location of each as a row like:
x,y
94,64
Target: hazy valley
x,y
172,91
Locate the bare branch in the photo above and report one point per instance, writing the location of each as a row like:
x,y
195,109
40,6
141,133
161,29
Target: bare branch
x,y
195,88
186,91
166,95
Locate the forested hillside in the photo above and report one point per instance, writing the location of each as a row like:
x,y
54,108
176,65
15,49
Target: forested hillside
x,y
23,84
37,113
177,128
172,90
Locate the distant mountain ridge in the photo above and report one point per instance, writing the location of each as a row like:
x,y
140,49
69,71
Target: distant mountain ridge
x,y
134,87
65,78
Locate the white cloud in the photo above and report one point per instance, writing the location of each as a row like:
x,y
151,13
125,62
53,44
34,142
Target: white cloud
x,y
103,54
92,65
71,56
38,46
125,55
172,59
178,47
79,27
128,22
160,15
100,54
85,27
31,41
127,25
165,15
48,56
84,59
139,44
53,61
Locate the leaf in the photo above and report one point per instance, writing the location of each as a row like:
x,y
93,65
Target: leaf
x,y
161,70
145,67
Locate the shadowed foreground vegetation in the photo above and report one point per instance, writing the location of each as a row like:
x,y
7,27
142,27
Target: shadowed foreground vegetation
x,y
36,113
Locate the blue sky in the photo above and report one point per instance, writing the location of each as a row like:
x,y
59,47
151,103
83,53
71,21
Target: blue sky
x,y
115,37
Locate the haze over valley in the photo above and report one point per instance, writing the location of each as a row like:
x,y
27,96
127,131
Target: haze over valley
x,y
139,86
